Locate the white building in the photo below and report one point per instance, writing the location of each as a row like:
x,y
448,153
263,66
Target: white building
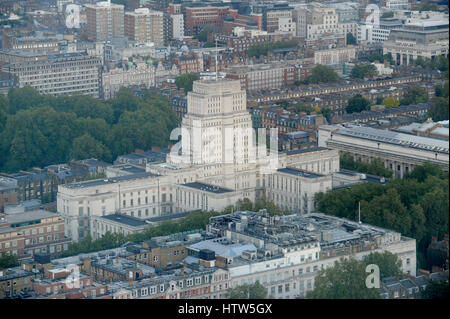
x,y
399,152
426,39
369,33
397,4
177,26
290,250
333,56
141,74
294,189
286,24
217,165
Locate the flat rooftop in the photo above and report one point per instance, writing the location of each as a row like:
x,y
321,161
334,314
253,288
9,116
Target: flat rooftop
x,y
28,216
112,180
299,172
400,139
126,220
308,150
208,188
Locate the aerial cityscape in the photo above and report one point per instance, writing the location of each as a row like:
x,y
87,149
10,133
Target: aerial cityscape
x,y
235,149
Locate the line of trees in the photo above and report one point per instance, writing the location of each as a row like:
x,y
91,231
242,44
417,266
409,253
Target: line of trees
x,y
38,130
375,167
258,50
416,205
363,70
248,205
320,74
193,221
347,278
439,110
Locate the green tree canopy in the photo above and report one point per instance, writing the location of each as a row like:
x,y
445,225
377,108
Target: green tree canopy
x,y
345,280
39,130
376,57
322,74
8,261
389,264
375,167
351,39
185,81
363,70
86,146
436,290
357,104
439,110
414,95
246,291
416,205
390,102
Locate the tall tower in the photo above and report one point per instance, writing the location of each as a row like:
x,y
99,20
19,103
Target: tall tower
x,y
218,124
104,21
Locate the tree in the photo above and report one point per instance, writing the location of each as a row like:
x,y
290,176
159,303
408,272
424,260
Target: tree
x,y
40,129
436,290
376,57
357,104
8,261
416,205
351,39
23,98
386,15
441,90
375,167
254,291
185,81
363,70
414,95
327,114
435,208
322,74
299,107
390,102
388,57
86,146
346,280
389,264
387,210
4,110
439,110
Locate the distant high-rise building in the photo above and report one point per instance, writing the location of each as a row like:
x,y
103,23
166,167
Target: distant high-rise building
x,y
104,21
145,25
177,26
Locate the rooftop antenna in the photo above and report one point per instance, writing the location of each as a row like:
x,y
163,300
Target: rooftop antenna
x,y
359,212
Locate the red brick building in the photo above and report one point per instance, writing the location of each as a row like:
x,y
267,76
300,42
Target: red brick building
x,y
198,17
38,231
